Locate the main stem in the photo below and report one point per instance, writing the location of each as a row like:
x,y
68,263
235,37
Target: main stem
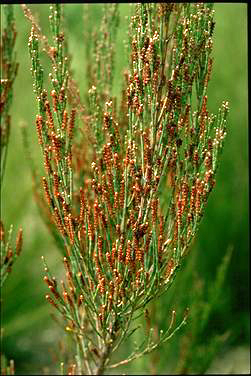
x,y
103,360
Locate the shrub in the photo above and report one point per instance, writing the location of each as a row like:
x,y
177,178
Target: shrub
x,y
126,179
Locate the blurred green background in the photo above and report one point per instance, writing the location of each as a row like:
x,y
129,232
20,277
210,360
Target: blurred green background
x,y
30,335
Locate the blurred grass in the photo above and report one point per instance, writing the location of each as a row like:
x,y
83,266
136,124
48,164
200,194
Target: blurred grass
x,y
28,328
226,219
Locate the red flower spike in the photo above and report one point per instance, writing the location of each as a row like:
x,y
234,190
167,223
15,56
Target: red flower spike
x,y
192,199
109,259
208,160
154,206
100,248
54,292
110,181
39,125
80,300
198,203
196,157
2,233
170,268
189,218
71,123
106,121
56,183
122,193
128,253
51,301
185,190
49,115
116,200
19,241
47,164
114,253
46,191
65,120
102,285
179,213
54,100
62,94
68,299
120,254
138,279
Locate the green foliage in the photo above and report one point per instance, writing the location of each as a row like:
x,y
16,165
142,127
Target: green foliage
x,y
9,69
212,244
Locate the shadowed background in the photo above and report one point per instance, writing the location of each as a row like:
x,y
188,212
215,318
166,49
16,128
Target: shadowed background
x,y
30,336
